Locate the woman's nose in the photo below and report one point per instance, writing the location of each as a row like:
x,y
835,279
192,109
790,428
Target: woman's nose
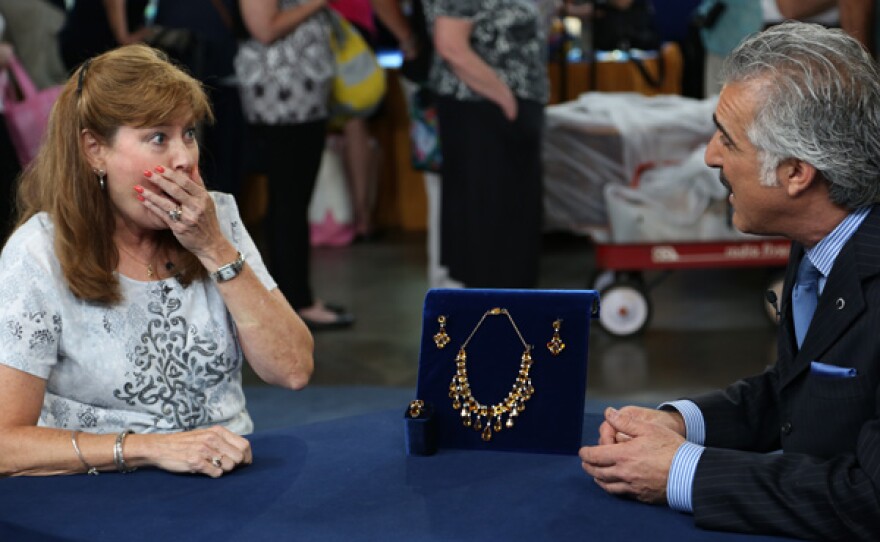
x,y
183,156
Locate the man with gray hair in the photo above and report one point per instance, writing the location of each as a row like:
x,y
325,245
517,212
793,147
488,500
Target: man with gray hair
x,y
798,145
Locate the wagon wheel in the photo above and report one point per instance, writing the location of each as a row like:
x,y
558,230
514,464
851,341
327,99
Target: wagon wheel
x,y
774,285
625,308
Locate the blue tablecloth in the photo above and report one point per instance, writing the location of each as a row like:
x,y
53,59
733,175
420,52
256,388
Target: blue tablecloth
x,y
347,479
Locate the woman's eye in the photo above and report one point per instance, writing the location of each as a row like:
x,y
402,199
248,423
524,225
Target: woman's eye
x,y
190,133
158,138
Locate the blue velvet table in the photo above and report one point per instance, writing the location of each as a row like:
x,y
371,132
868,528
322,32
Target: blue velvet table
x,y
346,479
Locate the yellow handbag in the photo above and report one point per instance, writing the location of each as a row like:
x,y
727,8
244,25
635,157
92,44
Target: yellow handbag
x,y
359,84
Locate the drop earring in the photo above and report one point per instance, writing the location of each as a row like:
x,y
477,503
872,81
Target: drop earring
x,y
102,178
441,339
555,346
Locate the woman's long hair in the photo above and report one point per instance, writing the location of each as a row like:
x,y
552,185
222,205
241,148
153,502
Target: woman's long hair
x,y
132,86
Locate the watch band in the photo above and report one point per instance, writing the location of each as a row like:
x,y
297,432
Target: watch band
x,y
230,270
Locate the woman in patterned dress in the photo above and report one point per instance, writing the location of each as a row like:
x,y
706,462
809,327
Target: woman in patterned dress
x,y
285,71
131,295
490,78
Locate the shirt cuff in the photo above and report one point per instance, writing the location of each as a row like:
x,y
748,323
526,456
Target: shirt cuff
x,y
695,425
680,484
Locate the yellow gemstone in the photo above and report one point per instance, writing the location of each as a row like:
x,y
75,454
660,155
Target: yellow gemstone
x,y
456,404
509,423
487,434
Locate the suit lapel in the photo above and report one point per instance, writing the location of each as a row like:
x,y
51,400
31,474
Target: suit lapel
x,y
786,324
842,299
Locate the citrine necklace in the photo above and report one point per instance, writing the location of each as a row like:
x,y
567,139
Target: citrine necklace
x,y
489,418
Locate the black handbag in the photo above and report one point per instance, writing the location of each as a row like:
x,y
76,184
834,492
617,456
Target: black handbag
x,y
628,29
418,68
186,48
624,29
189,49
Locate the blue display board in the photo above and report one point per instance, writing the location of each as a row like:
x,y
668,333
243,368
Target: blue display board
x,y
495,326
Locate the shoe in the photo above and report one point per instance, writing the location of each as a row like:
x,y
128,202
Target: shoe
x,y
344,319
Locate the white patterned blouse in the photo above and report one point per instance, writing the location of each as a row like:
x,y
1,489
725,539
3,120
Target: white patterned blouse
x,y
166,358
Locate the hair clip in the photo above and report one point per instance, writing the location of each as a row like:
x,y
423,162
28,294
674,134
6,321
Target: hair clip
x,y
82,75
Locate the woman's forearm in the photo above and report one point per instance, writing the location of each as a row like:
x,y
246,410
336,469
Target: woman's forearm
x,y
389,12
266,23
275,340
41,451
451,41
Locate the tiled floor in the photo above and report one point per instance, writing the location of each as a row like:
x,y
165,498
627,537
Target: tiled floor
x,y
708,328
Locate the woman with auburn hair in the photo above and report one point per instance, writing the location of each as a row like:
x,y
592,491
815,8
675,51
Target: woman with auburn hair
x,y
131,294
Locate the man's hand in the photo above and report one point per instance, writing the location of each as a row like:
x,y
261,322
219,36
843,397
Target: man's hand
x,y
667,418
636,462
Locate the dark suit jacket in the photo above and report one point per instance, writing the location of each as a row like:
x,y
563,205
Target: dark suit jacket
x,y
826,484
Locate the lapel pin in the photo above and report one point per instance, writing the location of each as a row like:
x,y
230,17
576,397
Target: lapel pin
x,y
840,303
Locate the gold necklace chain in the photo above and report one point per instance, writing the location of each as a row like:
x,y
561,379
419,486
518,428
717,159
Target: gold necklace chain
x,y
148,265
491,417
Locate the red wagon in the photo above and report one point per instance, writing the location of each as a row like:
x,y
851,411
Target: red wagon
x,y
626,308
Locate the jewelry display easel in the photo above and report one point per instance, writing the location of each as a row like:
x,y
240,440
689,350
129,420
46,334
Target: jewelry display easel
x,y
509,370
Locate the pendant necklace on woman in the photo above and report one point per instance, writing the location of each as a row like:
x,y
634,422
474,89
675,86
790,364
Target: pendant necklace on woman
x,y
148,265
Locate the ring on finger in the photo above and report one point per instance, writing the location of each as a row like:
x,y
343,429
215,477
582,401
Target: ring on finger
x,y
217,461
174,214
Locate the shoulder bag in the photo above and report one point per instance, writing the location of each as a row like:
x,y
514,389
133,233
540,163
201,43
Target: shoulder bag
x,y
359,84
627,29
417,69
26,111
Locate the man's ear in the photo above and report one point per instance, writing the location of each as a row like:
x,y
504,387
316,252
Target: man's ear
x,y
797,176
94,149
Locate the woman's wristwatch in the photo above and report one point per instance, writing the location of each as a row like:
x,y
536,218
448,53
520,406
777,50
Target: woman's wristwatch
x,y
230,270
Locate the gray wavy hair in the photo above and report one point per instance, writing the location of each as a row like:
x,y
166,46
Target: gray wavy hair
x,y
821,104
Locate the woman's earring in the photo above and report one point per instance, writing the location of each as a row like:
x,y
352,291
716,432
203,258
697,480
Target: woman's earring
x,y
441,339
555,346
102,178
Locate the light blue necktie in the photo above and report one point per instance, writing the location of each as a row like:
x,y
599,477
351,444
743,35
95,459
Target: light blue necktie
x,y
804,297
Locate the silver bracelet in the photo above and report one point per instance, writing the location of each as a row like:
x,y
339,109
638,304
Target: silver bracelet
x,y
118,458
89,469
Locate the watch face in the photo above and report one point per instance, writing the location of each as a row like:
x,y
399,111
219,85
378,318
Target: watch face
x,y
227,273
230,270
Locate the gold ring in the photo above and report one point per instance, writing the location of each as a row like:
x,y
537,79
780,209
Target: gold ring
x,y
415,408
216,461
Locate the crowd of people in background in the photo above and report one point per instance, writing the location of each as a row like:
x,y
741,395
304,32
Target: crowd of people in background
x,y
487,197
253,133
